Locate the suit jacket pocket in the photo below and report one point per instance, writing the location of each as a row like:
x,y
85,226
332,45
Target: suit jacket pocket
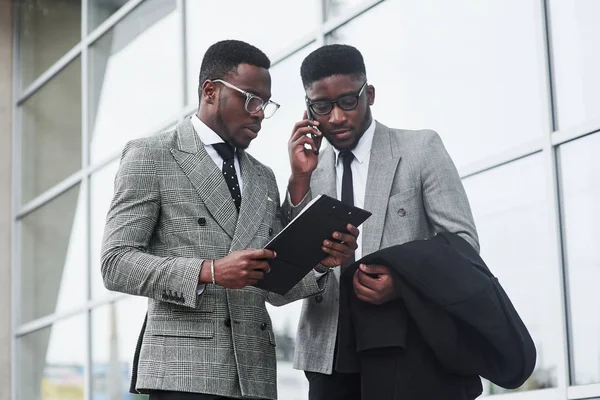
x,y
180,328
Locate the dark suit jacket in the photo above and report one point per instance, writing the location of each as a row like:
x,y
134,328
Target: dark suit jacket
x,y
452,323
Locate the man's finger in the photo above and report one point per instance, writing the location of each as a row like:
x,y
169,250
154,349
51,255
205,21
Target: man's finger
x,y
375,269
360,289
259,254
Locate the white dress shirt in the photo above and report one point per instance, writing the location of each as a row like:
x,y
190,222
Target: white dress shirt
x,y
360,171
208,138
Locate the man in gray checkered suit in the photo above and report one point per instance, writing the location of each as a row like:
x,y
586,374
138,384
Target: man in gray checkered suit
x,y
190,205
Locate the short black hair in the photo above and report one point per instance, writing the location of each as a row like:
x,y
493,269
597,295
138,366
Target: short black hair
x,y
223,58
329,60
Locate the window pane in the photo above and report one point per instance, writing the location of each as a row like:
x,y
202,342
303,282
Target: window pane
x,y
100,10
451,66
51,133
580,190
51,362
101,194
48,29
575,43
134,73
511,213
335,8
52,257
271,26
115,330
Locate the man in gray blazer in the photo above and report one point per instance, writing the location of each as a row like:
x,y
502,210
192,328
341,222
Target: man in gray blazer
x,y
189,218
405,178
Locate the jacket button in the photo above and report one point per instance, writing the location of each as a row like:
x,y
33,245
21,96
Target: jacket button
x,y
263,326
402,212
270,231
202,221
227,323
319,298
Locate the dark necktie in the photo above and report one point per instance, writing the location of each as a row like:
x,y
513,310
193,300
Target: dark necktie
x,y
347,187
345,359
227,153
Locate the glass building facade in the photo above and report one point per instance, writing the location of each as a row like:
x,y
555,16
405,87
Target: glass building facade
x,y
512,87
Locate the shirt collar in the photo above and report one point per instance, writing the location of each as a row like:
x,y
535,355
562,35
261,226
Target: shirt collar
x,y
206,135
363,147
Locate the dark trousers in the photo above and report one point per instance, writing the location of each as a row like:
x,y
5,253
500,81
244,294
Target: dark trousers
x,y
163,395
337,386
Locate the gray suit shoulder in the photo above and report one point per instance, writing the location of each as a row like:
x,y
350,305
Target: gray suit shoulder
x,y
163,141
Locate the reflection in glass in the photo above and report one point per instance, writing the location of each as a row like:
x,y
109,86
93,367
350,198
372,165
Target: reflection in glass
x,y
52,257
272,26
511,212
134,72
115,329
270,147
47,30
51,361
101,194
335,8
575,43
100,10
51,133
456,75
580,192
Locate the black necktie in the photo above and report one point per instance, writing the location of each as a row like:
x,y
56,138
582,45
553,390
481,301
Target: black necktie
x,y
345,359
347,187
227,153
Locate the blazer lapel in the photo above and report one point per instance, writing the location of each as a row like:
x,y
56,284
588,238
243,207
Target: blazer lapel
x,y
205,176
254,203
382,166
323,179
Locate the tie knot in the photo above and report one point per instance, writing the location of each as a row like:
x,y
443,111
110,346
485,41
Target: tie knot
x,y
225,150
347,157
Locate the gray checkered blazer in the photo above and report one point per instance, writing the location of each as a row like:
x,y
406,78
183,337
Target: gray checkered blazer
x,y
171,210
413,191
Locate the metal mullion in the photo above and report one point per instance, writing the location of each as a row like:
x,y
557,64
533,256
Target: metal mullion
x,y
75,51
584,391
48,320
334,23
85,192
111,21
552,176
50,194
50,73
16,200
499,159
181,8
113,297
575,132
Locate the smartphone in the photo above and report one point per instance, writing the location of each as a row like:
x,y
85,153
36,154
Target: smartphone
x,y
309,115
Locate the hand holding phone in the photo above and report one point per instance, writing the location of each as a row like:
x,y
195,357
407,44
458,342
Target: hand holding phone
x,y
309,115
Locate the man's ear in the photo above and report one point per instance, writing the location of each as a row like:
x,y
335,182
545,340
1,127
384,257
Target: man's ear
x,y
371,94
209,92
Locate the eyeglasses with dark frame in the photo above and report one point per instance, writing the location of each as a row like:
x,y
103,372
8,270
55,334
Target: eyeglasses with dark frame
x,y
347,103
253,103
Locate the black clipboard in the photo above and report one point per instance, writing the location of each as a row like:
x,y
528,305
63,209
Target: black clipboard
x,y
298,245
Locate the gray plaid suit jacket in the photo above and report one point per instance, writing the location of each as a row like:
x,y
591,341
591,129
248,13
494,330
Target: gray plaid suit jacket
x,y
171,210
413,191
